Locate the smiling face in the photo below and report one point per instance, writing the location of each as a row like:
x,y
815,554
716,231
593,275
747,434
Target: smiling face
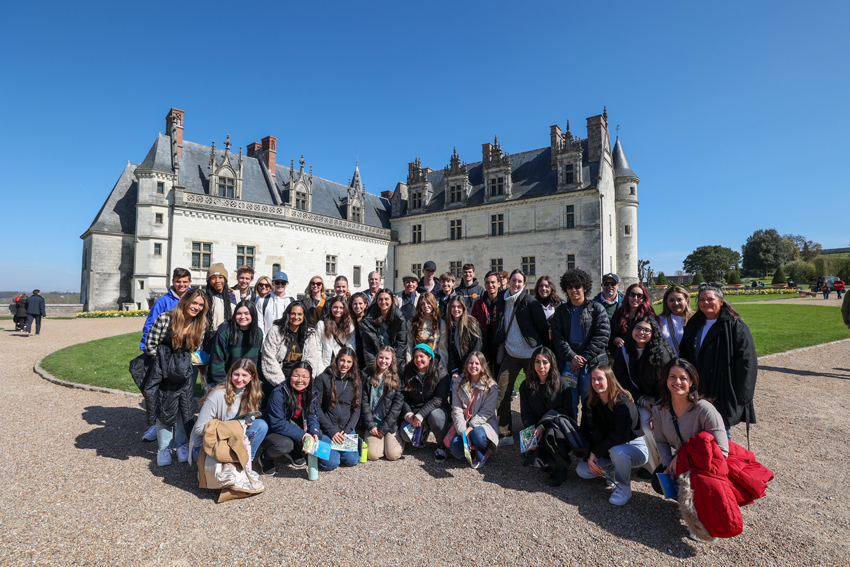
x,y
384,301
456,308
264,288
635,298
358,306
341,287
642,333
427,308
243,281
217,283
243,318
677,303
181,285
296,317
447,286
374,282
194,308
344,363
299,379
410,285
469,276
542,366
316,287
599,383
240,378
576,294
280,287
709,304
610,289
517,283
544,289
421,360
678,382
337,309
491,284
473,368
383,360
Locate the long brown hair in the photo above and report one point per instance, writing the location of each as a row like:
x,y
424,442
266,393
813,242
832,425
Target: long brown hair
x,y
467,325
192,340
390,374
341,330
253,391
420,317
553,380
353,375
615,390
486,377
665,399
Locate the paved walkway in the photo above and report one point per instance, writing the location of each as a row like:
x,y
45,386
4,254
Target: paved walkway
x,y
83,489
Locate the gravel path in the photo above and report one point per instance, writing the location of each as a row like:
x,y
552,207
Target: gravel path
x,y
85,490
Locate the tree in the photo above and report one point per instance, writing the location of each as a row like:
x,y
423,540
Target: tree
x,y
661,279
779,276
698,279
713,261
805,250
642,271
734,278
765,251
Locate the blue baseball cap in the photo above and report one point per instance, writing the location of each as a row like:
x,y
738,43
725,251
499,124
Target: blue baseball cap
x,y
280,276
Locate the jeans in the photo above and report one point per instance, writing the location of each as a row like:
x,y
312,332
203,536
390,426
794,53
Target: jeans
x,y
581,391
838,291
622,459
729,433
336,458
477,438
37,319
170,437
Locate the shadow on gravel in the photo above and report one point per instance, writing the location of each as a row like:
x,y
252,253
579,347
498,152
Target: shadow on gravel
x,y
797,372
119,435
182,476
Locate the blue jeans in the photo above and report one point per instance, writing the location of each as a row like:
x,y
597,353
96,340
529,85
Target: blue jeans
x,y
477,438
622,459
346,459
170,437
255,432
582,388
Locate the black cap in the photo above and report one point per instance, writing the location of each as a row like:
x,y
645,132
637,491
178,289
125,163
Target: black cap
x,y
429,265
611,276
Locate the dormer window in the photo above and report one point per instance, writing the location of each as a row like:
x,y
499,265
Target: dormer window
x,y
226,187
568,174
356,214
416,200
497,186
455,194
301,201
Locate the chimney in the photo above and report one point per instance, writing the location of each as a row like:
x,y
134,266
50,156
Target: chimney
x,y
486,149
270,153
254,148
387,194
555,138
175,117
597,133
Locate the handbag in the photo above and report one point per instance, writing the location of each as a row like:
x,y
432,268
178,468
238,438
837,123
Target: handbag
x,y
467,414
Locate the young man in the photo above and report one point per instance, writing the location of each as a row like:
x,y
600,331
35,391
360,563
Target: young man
x,y
219,298
428,282
469,288
374,286
243,290
35,312
181,280
406,300
280,300
445,293
610,296
488,310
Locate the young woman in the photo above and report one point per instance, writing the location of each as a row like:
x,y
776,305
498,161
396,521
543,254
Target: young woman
x,y
675,314
292,417
338,406
168,395
335,330
263,289
635,305
474,398
314,303
426,327
425,385
290,339
357,306
693,414
241,337
383,325
545,392
612,424
239,394
382,403
637,366
462,336
544,292
719,344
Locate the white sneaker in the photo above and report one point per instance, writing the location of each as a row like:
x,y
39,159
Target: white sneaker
x,y
620,496
505,441
150,434
163,458
183,453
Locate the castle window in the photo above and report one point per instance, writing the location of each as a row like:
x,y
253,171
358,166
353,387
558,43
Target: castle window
x,y
157,249
571,261
627,229
415,268
496,265
244,256
141,284
158,218
456,268
301,201
455,194
160,187
497,186
455,230
529,265
275,269
632,191
568,174
356,214
85,259
380,265
571,217
416,200
497,225
355,276
201,254
330,265
416,234
226,187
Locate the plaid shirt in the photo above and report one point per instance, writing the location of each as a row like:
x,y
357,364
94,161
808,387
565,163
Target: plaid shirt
x,y
157,333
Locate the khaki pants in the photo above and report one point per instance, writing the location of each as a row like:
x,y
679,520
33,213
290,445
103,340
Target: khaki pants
x,y
386,446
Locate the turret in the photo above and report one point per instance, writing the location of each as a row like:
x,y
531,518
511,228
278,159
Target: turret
x,y
625,183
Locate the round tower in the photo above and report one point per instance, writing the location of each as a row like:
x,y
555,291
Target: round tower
x,y
625,184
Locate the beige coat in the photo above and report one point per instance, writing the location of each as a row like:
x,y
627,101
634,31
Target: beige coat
x,y
483,409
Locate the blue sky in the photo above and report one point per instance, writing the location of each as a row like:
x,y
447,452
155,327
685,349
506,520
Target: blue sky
x,y
733,114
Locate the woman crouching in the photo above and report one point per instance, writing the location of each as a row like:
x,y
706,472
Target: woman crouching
x,y
382,403
338,406
474,398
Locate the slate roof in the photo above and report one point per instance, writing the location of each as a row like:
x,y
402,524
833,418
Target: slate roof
x,y
159,156
531,176
118,213
621,164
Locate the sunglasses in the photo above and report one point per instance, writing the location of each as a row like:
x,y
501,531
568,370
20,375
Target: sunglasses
x,y
280,283
263,285
636,295
315,284
609,284
569,287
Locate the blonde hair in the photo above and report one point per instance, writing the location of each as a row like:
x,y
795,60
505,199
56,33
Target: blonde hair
x,y
189,340
467,325
486,378
665,310
253,391
390,374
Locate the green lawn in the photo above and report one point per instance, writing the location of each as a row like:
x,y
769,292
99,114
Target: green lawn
x,y
103,362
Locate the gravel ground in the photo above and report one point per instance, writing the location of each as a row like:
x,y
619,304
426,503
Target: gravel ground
x,y
87,490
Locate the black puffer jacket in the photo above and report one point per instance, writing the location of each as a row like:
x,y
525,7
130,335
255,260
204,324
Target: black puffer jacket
x,y
419,399
169,388
393,402
395,335
597,330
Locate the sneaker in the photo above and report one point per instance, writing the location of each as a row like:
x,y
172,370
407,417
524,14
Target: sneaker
x,y
163,458
620,496
183,453
514,395
150,434
299,462
440,456
505,441
478,464
263,465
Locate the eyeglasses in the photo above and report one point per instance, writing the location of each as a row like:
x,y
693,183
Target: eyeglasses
x,y
263,285
643,330
315,283
609,284
636,295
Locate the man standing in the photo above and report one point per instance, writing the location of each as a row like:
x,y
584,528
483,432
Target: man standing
x,y
610,296
374,286
35,311
244,277
488,311
406,300
280,300
428,282
181,280
445,293
839,286
469,288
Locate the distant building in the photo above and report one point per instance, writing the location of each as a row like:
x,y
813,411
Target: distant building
x,y
573,203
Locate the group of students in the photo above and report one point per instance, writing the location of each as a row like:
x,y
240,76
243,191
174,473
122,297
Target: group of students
x,y
446,358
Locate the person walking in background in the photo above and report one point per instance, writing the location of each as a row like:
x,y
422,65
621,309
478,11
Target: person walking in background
x,y
839,286
35,311
610,296
20,313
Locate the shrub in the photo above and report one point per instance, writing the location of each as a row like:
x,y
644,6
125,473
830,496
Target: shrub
x,y
779,276
698,279
734,279
800,271
661,279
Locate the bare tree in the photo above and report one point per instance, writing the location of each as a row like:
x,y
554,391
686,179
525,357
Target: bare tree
x,y
642,274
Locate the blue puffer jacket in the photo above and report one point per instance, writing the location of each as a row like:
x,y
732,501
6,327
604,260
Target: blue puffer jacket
x,y
165,303
279,415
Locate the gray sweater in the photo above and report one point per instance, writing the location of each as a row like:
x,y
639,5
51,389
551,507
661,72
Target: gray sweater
x,y
697,418
215,408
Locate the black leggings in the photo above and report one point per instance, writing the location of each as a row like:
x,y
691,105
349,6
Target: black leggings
x,y
276,445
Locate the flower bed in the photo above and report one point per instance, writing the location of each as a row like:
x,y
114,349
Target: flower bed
x,y
761,291
104,314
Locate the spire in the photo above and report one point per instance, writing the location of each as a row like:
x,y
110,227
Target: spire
x,y
356,182
621,164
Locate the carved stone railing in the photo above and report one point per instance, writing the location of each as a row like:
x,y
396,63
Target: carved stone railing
x,y
277,212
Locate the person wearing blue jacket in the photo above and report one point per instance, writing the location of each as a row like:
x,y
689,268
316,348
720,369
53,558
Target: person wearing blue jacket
x,y
181,281
292,416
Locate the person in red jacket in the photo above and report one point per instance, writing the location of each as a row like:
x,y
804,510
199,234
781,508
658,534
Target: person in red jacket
x,y
839,286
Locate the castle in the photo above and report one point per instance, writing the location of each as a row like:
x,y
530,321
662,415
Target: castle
x,y
571,204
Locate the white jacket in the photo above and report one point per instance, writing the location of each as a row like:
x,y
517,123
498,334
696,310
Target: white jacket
x,y
273,311
329,346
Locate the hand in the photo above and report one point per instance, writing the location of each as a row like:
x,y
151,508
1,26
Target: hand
x,y
594,466
618,342
306,436
538,432
416,422
647,405
338,438
375,433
